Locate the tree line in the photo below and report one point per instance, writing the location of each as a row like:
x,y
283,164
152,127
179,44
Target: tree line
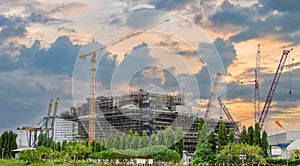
x,y
8,143
162,146
226,148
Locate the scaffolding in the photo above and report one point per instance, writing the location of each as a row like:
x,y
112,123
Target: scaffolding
x,y
139,111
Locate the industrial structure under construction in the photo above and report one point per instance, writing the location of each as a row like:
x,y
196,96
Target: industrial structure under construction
x,y
139,111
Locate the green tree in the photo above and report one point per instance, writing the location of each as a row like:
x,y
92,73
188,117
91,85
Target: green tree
x,y
64,145
44,153
265,144
250,135
211,140
169,137
231,136
222,136
116,141
144,140
135,141
8,143
256,135
40,139
80,150
179,142
110,141
152,140
243,138
123,142
295,155
230,154
202,129
129,139
160,138
93,146
29,156
204,153
58,147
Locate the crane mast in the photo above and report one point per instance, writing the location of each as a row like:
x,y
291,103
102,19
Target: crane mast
x,y
213,91
92,100
256,86
273,88
224,108
48,114
92,113
54,116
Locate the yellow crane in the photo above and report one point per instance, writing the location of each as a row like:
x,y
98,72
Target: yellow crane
x,y
92,100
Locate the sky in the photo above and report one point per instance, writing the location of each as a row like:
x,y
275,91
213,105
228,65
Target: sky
x,y
179,47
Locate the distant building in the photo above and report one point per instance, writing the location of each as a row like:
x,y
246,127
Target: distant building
x,y
282,141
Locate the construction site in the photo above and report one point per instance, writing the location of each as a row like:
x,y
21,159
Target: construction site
x,y
101,116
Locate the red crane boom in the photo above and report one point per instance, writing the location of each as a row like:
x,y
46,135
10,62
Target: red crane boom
x,y
212,95
224,108
268,102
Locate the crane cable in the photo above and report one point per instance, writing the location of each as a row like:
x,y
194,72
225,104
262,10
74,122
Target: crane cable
x,y
289,76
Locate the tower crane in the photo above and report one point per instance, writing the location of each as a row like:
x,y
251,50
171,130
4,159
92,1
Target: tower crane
x,y
92,100
212,95
271,93
256,86
227,113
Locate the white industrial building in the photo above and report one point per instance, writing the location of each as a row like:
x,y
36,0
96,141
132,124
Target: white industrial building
x,y
282,144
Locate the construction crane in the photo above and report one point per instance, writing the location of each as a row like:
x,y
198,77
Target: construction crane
x,y
54,117
212,95
225,110
256,86
271,93
48,116
92,100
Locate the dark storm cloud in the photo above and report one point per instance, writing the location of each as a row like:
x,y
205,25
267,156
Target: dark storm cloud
x,y
230,15
168,4
66,29
187,53
67,6
42,18
282,6
11,27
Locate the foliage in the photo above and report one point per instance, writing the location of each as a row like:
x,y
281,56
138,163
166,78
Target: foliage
x,y
201,123
243,138
265,144
152,140
8,143
256,135
205,152
143,142
123,141
250,135
77,151
231,136
29,156
222,136
160,138
230,154
169,137
202,129
44,140
295,154
179,142
206,146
